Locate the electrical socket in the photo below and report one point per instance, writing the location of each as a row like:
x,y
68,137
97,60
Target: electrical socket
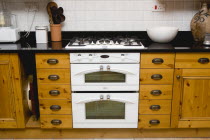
x,y
159,8
31,6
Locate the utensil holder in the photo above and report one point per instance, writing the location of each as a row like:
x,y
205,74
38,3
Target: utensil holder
x,y
55,32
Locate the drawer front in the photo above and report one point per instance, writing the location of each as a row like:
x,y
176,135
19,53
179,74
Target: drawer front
x,y
192,60
157,60
155,92
54,91
155,107
156,76
53,76
55,107
56,121
54,60
154,121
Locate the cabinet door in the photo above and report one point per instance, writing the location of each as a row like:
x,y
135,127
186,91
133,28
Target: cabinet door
x,y
191,101
11,103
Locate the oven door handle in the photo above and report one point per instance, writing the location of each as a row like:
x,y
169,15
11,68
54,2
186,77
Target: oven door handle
x,y
98,70
113,99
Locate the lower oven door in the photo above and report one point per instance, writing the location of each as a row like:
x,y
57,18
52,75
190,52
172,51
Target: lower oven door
x,y
105,77
105,110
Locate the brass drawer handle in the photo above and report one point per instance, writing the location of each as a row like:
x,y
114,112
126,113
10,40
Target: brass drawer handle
x,y
203,60
53,77
155,107
55,107
54,92
157,77
156,92
154,122
157,61
52,61
56,122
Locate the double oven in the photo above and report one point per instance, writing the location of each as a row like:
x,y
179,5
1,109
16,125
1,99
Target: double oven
x,y
105,89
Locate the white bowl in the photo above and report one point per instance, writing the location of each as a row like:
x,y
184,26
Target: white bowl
x,y
162,34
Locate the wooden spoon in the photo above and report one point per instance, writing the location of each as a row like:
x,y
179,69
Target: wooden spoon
x,y
49,5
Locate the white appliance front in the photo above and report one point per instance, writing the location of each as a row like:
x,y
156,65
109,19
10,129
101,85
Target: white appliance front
x,y
105,77
105,110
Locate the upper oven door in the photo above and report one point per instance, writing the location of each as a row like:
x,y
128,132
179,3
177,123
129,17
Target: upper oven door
x,y
105,77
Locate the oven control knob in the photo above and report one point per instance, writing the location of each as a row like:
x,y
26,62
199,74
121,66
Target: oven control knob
x,y
90,56
123,56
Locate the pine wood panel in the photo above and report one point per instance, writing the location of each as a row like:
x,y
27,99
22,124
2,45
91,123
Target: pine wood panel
x,y
168,58
145,91
195,99
63,60
46,121
144,121
12,111
64,74
145,76
7,103
104,133
191,98
65,105
144,106
190,60
65,91
194,124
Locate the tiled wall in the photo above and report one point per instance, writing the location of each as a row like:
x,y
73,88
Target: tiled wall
x,y
110,15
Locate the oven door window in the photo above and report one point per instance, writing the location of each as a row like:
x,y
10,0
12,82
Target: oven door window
x,y
105,110
105,77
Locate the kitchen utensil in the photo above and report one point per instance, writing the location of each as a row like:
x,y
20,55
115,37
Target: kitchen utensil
x,y
162,34
49,5
57,15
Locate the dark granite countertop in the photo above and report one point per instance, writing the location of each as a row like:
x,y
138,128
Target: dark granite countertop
x,y
182,43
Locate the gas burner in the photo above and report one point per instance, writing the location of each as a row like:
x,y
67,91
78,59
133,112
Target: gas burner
x,y
118,42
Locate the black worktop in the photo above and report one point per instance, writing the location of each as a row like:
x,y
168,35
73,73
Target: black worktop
x,y
182,43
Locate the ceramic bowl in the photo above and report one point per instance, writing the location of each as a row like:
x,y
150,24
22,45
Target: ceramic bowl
x,y
162,34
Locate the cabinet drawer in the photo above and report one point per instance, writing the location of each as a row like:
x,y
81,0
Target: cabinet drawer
x,y
54,91
56,121
157,60
156,76
53,76
192,60
55,107
155,107
55,60
155,92
154,121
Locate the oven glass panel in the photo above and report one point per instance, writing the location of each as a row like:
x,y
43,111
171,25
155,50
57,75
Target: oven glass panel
x,y
105,77
105,110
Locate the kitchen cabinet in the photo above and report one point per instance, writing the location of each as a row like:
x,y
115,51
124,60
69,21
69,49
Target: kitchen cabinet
x,y
13,108
156,82
191,106
54,92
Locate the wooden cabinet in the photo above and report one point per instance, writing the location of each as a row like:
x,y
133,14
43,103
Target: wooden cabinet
x,y
12,110
156,82
53,77
191,101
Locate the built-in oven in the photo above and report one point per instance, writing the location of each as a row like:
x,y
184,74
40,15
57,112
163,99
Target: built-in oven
x,y
105,77
105,110
105,89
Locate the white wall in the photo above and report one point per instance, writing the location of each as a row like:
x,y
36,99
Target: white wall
x,y
110,15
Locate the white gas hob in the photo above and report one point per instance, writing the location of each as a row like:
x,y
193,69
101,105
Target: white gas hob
x,y
94,43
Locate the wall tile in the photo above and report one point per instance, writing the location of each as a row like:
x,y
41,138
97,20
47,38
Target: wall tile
x,y
110,15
